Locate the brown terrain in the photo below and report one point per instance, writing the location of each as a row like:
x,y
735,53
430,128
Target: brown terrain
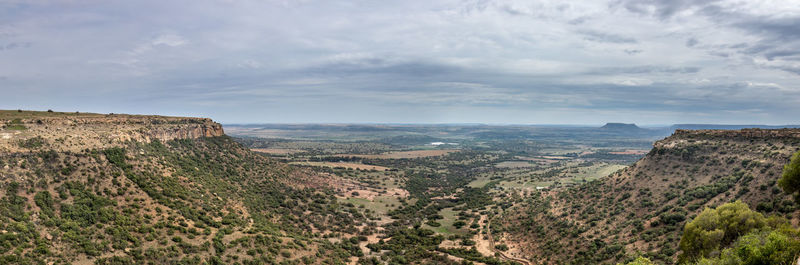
x,y
642,208
79,131
179,187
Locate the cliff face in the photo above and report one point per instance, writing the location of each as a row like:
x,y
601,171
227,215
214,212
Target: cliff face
x,y
66,197
743,134
643,207
74,132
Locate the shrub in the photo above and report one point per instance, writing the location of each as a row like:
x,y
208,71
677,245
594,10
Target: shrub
x,y
16,124
760,247
717,228
790,180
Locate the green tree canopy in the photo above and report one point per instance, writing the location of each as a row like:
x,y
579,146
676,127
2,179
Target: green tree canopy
x,y
780,246
790,181
717,228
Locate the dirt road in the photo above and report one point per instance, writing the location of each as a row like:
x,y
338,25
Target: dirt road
x,y
502,255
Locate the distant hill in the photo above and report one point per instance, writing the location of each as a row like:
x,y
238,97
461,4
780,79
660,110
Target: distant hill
x,y
620,126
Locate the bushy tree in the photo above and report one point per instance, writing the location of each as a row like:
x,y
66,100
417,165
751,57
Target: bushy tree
x,y
717,228
759,247
790,181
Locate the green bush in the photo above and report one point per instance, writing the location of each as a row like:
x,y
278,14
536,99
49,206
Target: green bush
x,y
16,124
790,180
760,247
717,228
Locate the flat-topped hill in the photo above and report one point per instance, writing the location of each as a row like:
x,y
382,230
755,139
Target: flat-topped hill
x,y
620,126
20,130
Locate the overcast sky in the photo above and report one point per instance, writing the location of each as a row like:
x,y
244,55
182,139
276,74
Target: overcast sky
x,y
409,61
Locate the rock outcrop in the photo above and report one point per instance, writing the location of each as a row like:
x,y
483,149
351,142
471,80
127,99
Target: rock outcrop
x,y
77,131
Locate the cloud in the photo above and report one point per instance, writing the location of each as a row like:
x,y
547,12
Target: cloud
x,y
381,66
605,37
645,69
14,45
434,61
633,51
691,42
663,9
170,40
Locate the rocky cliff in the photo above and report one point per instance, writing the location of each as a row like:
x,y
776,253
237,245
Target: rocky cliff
x,y
20,131
643,208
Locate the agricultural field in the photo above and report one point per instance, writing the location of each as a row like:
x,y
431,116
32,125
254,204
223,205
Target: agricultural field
x,y
453,181
355,166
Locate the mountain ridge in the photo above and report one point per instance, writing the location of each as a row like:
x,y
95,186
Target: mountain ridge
x,y
129,189
76,131
641,209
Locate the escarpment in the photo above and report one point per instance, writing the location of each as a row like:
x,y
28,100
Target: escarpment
x,y
121,189
21,131
642,208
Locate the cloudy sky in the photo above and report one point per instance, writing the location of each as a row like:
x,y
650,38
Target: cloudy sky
x,y
449,61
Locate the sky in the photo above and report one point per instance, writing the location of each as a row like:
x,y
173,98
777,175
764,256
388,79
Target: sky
x,y
407,61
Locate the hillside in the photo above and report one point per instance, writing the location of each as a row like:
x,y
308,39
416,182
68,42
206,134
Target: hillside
x,y
642,209
118,189
620,126
78,131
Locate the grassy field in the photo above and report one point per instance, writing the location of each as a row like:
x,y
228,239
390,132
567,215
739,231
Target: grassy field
x,y
380,204
404,154
357,166
571,174
277,151
479,182
595,171
514,164
446,228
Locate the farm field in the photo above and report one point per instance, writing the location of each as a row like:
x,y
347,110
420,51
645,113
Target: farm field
x,y
276,151
404,154
356,166
409,177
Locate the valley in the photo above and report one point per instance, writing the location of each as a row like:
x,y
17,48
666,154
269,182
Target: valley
x,y
125,189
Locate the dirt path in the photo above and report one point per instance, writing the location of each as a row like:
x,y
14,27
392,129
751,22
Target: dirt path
x,y
502,254
484,246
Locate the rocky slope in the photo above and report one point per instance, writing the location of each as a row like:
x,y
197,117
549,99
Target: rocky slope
x,y
122,189
77,131
642,209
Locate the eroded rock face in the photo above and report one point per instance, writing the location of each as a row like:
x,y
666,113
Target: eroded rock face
x,y
743,133
78,132
682,137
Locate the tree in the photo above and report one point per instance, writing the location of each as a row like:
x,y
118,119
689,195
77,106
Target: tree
x,y
790,180
718,228
766,246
